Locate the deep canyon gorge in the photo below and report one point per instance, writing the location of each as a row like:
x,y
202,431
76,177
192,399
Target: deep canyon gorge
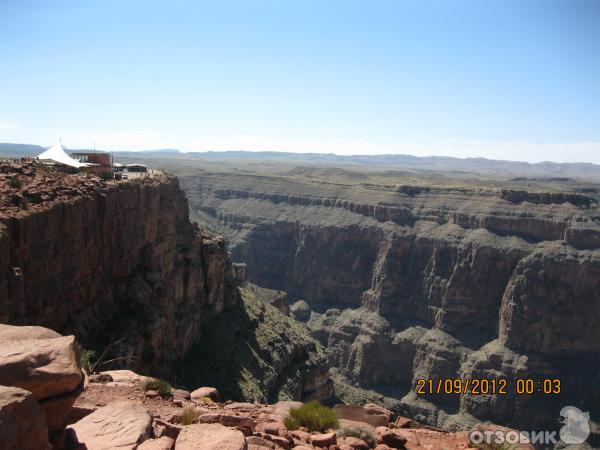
x,y
382,278
402,283
120,266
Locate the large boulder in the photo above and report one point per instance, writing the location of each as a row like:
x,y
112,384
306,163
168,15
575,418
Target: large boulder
x,y
119,425
380,409
301,311
345,423
352,443
394,438
420,438
210,436
39,360
258,443
374,416
229,420
161,443
323,439
282,408
181,395
206,392
46,364
19,333
126,377
22,421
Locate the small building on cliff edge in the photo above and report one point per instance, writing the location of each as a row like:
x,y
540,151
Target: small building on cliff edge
x,y
57,155
97,162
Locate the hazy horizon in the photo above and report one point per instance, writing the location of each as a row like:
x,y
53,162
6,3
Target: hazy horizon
x,y
349,155
509,80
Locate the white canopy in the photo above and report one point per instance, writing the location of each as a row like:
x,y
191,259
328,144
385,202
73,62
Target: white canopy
x,y
57,154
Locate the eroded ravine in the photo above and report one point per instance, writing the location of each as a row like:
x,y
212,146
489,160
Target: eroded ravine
x,y
428,283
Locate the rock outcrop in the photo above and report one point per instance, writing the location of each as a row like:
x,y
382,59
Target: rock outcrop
x,y
22,421
161,443
252,426
210,436
119,265
47,366
119,425
254,352
206,392
39,360
423,282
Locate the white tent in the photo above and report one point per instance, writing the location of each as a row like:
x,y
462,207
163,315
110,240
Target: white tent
x,y
57,154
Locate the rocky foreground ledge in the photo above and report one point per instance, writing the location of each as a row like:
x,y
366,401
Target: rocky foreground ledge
x,y
156,423
47,402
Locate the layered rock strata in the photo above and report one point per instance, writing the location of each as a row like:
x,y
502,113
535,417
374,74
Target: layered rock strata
x,y
111,262
411,282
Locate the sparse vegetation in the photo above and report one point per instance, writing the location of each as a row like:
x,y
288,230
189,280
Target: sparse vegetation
x,y
361,433
88,360
290,423
91,361
14,182
161,386
255,334
189,416
206,400
313,416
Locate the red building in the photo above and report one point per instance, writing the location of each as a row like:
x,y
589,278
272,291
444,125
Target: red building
x,y
97,162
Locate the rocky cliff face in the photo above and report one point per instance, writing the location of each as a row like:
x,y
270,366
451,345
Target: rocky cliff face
x,y
108,261
120,263
253,352
409,282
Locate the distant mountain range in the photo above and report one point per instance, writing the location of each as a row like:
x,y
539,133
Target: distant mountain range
x,y
437,163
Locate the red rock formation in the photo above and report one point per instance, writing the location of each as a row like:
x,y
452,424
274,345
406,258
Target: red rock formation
x,y
108,260
229,425
22,421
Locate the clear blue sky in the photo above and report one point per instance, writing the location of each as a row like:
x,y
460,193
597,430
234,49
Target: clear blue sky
x,y
501,79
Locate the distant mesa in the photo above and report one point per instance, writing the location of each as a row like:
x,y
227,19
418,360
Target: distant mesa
x,y
521,171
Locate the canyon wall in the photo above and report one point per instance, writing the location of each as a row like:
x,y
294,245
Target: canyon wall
x,y
109,262
120,262
412,282
254,352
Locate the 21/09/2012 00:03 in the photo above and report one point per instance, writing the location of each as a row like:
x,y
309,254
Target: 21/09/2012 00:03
x,y
485,386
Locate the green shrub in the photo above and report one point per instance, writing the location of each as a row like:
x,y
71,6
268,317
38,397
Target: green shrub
x,y
311,415
360,433
88,359
14,182
290,423
189,416
205,400
160,386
